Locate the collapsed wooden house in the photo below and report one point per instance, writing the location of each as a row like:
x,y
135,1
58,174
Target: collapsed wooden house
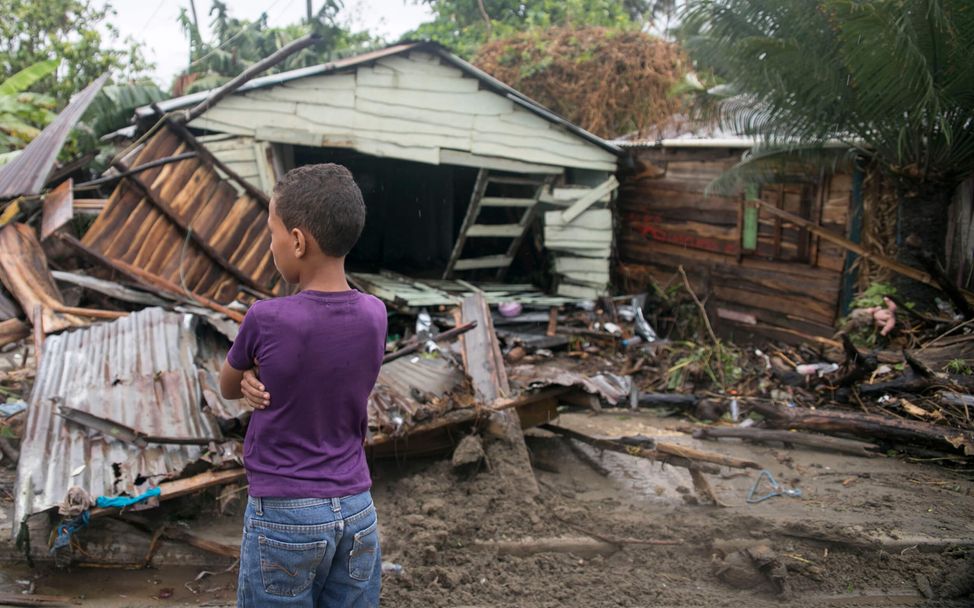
x,y
456,167
763,273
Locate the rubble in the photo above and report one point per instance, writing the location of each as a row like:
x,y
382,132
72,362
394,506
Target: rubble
x,y
113,339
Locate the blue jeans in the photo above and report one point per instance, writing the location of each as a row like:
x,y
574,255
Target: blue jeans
x,y
310,552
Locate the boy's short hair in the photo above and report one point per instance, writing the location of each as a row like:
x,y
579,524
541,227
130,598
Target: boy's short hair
x,y
324,200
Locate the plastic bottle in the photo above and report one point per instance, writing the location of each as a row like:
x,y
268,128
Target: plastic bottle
x,y
735,409
391,568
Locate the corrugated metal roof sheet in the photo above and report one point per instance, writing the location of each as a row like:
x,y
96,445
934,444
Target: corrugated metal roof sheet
x,y
141,372
471,70
27,173
133,229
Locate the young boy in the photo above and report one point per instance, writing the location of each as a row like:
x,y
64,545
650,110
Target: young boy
x,y
309,534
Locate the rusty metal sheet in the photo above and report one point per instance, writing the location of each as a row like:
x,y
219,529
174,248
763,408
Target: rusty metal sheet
x,y
408,391
27,173
133,229
611,387
141,372
58,208
24,272
412,390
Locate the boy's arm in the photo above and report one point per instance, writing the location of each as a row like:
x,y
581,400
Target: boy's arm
x,y
230,379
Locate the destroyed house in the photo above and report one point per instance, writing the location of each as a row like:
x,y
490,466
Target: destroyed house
x,y
460,172
758,255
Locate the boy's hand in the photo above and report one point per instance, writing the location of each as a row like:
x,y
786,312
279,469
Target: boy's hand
x,y
254,393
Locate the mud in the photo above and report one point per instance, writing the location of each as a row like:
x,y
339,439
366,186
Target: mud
x,y
866,532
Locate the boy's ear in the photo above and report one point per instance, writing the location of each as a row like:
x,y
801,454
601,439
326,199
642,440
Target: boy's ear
x,y
299,241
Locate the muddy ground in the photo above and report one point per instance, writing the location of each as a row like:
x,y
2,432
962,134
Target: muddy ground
x,y
865,532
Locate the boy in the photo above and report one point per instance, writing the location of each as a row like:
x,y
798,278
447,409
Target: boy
x,y
309,534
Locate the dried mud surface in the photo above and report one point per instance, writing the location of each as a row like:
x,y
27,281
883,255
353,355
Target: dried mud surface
x,y
866,532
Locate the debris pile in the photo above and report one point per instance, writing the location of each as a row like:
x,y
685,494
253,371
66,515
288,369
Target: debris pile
x,y
113,332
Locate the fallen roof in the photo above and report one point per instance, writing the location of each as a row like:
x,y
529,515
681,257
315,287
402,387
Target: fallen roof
x,y
186,223
140,372
27,173
488,81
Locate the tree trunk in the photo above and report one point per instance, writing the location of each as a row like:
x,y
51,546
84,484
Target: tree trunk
x,y
921,226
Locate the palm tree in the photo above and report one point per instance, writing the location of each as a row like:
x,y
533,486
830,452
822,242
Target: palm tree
x,y
890,79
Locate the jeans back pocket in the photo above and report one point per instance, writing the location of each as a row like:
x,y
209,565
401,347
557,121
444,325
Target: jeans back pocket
x,y
361,560
289,568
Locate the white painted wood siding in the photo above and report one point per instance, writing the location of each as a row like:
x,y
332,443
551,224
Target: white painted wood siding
x,y
246,156
413,108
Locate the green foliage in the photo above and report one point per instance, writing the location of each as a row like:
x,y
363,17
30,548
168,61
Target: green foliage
x,y
240,43
889,78
720,364
34,31
873,295
114,105
958,366
24,114
462,26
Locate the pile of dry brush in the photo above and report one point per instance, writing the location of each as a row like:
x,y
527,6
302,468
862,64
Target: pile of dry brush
x,y
608,81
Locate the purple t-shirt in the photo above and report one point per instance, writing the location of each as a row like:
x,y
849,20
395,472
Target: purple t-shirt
x,y
319,354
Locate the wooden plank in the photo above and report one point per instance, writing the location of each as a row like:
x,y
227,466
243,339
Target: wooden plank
x,y
481,145
466,159
583,250
590,198
481,352
571,233
473,210
577,291
903,269
327,82
595,219
188,485
409,67
285,96
565,264
367,76
495,230
481,102
497,201
490,261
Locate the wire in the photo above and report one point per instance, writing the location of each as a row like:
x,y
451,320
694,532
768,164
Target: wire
x,y
153,16
238,34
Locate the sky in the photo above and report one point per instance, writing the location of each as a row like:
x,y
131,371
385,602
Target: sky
x,y
153,23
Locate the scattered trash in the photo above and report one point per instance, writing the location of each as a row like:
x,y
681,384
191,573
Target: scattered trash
x,y
775,489
819,369
392,568
510,309
9,409
642,326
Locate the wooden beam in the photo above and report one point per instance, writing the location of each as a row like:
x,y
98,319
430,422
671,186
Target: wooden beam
x,y
588,199
828,235
188,485
268,62
166,285
139,169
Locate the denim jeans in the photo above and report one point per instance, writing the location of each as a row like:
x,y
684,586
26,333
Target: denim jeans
x,y
310,552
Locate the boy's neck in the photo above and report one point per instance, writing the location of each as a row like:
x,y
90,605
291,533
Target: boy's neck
x,y
325,274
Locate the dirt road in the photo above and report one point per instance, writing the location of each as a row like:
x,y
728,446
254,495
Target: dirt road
x,y
865,532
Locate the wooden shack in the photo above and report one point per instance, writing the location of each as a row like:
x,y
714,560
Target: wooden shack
x,y
457,168
775,279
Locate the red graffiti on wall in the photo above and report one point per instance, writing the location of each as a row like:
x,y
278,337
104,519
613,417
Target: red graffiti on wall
x,y
648,227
